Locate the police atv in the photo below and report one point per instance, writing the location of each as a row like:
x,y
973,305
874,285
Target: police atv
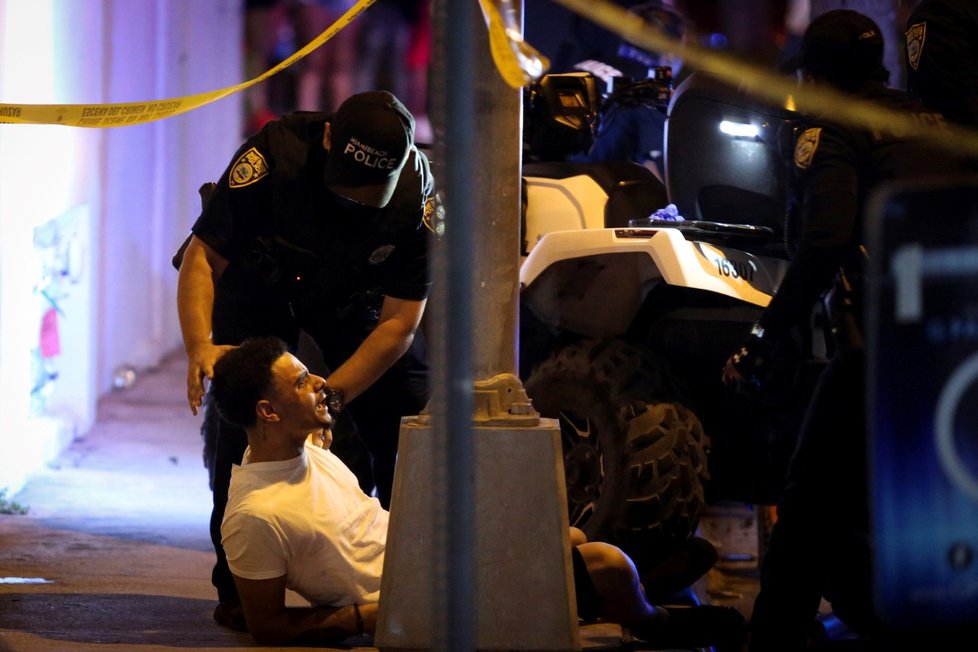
x,y
626,320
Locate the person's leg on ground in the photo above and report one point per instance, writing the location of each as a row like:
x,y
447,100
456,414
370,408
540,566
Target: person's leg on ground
x,y
615,579
621,598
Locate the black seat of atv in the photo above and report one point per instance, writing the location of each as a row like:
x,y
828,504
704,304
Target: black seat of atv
x,y
759,239
701,227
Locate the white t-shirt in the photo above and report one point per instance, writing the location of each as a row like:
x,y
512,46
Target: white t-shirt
x,y
306,518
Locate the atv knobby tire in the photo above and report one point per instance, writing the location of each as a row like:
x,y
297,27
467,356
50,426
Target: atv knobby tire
x,y
635,458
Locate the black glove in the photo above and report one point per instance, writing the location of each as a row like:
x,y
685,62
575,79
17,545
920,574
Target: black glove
x,y
751,360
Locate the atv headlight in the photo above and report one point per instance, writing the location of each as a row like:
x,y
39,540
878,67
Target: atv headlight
x,y
739,129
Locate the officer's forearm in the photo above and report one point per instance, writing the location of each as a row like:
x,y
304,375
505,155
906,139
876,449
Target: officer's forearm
x,y
195,299
373,357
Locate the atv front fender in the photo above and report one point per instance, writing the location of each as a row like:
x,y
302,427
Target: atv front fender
x,y
593,281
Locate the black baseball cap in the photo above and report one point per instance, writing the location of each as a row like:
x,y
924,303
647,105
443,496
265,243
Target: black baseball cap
x,y
843,46
371,136
661,15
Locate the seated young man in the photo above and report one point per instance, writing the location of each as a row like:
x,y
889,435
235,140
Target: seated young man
x,y
297,519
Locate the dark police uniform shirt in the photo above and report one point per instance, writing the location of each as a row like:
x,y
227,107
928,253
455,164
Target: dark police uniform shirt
x,y
296,257
836,168
942,57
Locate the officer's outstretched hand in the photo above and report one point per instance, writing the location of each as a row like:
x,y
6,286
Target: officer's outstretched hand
x,y
744,368
200,365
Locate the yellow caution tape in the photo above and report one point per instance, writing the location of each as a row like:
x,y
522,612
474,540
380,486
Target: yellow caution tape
x,y
517,62
776,88
130,113
520,64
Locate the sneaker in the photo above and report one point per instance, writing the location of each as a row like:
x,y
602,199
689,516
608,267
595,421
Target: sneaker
x,y
230,615
691,627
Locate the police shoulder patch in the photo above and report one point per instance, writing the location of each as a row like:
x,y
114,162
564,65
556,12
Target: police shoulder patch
x,y
806,146
915,43
249,168
434,214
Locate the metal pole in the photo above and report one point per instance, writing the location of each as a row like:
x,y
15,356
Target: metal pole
x,y
453,119
481,449
480,260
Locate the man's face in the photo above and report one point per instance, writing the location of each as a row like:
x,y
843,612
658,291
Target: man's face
x,y
300,399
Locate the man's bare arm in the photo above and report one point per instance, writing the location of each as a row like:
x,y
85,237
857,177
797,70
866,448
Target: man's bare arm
x,y
270,622
399,319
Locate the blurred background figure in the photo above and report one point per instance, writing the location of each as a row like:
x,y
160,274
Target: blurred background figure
x,y
325,76
260,39
394,52
632,126
631,62
942,57
275,29
631,119
386,47
567,38
797,15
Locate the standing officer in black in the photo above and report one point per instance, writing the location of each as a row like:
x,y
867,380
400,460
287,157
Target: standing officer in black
x,y
942,58
819,544
318,224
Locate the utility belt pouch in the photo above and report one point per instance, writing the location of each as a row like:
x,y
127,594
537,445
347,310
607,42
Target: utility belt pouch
x,y
843,306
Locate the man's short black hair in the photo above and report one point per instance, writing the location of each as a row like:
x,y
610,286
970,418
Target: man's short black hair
x,y
242,376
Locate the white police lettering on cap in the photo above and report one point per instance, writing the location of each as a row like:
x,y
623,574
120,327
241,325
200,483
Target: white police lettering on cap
x,y
370,157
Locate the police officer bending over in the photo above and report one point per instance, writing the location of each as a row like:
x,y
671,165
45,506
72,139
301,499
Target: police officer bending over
x,y
319,224
819,545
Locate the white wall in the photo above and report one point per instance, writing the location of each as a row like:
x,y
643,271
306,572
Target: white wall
x,y
132,189
159,49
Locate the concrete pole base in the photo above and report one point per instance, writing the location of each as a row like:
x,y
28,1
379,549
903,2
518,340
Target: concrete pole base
x,y
524,579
